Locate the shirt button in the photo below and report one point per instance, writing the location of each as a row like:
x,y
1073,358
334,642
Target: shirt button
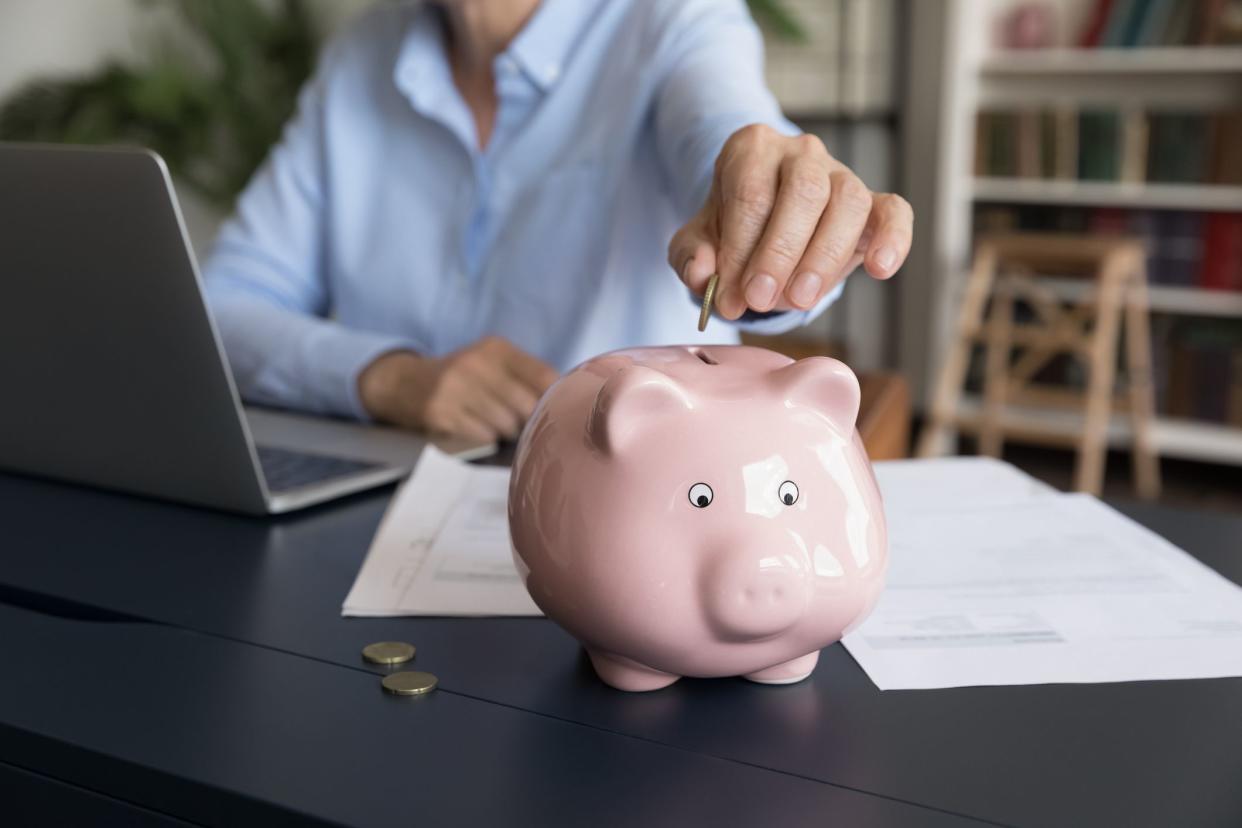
x,y
507,66
553,71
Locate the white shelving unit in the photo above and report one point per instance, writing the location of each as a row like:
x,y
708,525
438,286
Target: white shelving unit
x,y
1178,78
1186,439
1187,301
1108,194
952,74
1176,60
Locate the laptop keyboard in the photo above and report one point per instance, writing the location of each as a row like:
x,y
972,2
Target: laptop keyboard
x,y
284,469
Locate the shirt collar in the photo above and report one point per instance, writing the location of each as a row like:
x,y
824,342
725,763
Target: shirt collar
x,y
422,71
546,42
540,50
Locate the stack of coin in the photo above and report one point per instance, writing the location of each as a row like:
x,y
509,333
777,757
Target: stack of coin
x,y
405,682
388,652
409,683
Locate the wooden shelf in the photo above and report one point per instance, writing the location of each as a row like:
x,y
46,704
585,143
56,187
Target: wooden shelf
x,y
1187,439
1193,301
1108,194
1174,299
1199,441
1157,60
1200,79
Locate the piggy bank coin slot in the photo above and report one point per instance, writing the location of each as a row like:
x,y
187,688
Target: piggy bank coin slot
x,y
704,357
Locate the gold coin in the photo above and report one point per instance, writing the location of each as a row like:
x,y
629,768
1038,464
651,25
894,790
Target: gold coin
x,y
388,652
708,295
409,683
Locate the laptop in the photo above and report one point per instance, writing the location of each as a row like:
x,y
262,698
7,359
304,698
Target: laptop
x,y
111,371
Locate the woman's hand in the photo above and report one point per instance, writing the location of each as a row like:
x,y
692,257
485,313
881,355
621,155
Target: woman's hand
x,y
784,223
485,391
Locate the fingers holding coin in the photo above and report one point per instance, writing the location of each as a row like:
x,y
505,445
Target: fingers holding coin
x,y
784,224
692,252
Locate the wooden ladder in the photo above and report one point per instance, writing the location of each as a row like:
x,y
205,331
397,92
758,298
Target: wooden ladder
x,y
1010,268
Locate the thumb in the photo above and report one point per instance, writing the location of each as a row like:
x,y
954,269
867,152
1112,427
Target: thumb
x,y
692,252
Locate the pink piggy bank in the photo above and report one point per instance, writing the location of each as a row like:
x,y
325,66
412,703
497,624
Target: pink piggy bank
x,y
699,512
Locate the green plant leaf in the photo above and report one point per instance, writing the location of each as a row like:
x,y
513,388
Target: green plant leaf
x,y
778,20
212,106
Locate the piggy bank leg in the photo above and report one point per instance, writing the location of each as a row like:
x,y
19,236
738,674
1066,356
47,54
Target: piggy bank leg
x,y
626,674
788,672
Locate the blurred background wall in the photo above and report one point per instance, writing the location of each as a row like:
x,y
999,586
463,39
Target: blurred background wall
x,y
52,39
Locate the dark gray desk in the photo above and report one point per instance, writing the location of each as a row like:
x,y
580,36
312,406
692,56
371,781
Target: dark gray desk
x,y
266,594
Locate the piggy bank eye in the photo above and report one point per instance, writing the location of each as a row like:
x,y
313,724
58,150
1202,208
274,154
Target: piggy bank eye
x,y
788,493
701,495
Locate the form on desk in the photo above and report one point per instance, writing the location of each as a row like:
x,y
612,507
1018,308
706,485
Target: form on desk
x,y
443,547
994,578
1059,588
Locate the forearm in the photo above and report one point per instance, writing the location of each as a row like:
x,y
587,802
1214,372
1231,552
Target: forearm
x,y
713,88
291,359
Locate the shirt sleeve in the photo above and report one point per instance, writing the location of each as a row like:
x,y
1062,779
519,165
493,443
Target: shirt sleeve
x,y
712,87
266,286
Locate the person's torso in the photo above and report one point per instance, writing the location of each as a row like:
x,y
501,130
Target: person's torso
x,y
554,237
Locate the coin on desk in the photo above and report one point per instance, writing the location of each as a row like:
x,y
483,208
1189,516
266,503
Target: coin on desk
x,y
388,652
409,683
709,296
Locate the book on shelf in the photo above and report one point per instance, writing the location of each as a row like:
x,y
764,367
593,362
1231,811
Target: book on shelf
x,y
1093,31
1221,268
1227,149
1185,248
1176,248
1109,144
1179,149
1134,139
1117,23
1065,151
1199,377
1098,144
1153,24
1181,27
1124,24
1028,145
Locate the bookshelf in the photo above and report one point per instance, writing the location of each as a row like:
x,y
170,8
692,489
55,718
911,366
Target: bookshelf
x,y
1169,60
954,72
1204,78
1200,197
1188,301
1177,437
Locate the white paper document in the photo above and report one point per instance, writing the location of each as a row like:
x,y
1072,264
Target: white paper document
x,y
1054,588
994,578
931,485
443,547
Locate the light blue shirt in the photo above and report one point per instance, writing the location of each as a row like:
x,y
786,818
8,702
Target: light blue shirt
x,y
378,224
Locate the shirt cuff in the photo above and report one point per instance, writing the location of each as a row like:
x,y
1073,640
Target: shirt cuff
x,y
343,363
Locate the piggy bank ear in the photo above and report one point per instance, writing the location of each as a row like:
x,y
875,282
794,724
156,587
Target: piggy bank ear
x,y
627,405
823,385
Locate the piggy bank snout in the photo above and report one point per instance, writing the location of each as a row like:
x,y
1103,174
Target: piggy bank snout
x,y
748,596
